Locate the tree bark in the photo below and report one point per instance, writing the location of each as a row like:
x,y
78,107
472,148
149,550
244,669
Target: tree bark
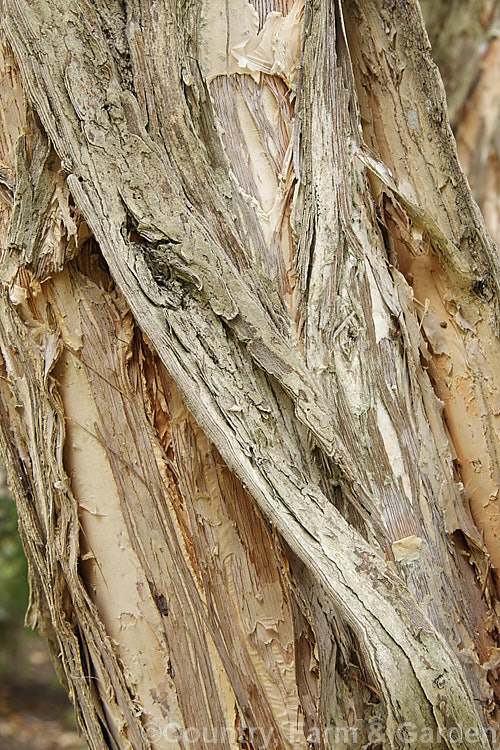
x,y
465,42
249,404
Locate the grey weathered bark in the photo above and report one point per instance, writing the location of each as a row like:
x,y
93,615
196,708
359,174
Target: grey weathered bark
x,y
466,45
249,331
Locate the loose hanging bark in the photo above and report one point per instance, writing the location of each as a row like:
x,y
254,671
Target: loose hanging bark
x,y
274,191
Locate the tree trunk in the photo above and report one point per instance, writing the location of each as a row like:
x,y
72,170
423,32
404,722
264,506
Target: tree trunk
x,y
466,45
249,396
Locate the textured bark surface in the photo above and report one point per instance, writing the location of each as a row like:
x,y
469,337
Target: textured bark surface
x,y
465,44
465,41
249,332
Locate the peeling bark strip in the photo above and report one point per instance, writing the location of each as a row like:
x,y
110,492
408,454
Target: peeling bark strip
x,y
245,169
461,329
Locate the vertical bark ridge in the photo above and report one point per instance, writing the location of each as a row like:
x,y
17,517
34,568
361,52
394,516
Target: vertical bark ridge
x,y
460,368
32,439
477,137
473,91
459,32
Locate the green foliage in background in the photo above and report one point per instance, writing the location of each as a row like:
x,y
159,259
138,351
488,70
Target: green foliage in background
x,y
25,669
13,568
13,582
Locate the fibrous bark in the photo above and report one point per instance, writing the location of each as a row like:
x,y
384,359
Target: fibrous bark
x,y
465,43
239,377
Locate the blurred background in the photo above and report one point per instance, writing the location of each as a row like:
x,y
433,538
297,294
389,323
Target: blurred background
x,y
34,709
